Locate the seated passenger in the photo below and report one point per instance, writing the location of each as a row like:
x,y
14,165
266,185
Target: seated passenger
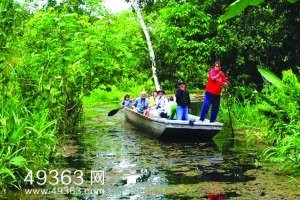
x,y
141,104
161,103
171,108
127,102
153,99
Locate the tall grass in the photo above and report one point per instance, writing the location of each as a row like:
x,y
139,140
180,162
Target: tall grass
x,y
272,116
245,115
27,139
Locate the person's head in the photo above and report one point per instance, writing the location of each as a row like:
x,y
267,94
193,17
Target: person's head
x,y
171,98
154,93
126,97
161,93
182,85
217,66
143,94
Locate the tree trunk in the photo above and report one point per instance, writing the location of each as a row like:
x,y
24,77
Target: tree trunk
x,y
150,47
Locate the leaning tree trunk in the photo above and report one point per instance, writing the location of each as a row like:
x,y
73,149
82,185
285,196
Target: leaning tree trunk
x,y
150,47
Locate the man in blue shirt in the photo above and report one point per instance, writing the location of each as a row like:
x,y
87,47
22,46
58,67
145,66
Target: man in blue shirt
x,y
141,104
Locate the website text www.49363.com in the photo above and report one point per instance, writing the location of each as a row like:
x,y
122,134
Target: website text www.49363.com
x,y
65,190
65,178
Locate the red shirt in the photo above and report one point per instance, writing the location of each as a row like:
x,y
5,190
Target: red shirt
x,y
214,86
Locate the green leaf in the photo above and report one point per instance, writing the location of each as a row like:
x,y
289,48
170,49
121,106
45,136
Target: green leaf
x,y
17,135
18,161
237,7
4,170
270,76
292,1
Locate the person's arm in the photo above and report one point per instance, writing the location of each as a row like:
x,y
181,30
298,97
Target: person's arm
x,y
166,100
178,94
147,102
168,109
157,105
211,75
224,79
135,103
165,103
123,103
189,100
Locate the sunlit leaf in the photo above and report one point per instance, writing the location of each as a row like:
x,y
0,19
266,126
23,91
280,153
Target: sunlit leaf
x,y
4,170
237,7
270,76
18,161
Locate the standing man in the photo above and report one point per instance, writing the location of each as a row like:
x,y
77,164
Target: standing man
x,y
183,102
216,80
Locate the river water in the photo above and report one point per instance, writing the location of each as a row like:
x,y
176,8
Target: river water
x,y
137,167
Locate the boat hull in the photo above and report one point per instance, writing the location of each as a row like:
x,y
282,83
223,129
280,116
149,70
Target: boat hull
x,y
154,128
164,129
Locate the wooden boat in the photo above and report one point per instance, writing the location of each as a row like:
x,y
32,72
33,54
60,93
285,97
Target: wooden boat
x,y
165,129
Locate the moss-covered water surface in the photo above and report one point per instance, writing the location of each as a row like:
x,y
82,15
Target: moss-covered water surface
x,y
137,167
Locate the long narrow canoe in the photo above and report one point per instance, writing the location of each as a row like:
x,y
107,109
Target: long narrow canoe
x,y
165,129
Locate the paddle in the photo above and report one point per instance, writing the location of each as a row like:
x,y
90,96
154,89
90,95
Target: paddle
x,y
229,112
228,90
113,112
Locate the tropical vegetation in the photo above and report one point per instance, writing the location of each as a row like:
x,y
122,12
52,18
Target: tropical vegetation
x,y
56,57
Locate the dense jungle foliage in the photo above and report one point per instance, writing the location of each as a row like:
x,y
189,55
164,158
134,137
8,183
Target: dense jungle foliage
x,y
52,58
